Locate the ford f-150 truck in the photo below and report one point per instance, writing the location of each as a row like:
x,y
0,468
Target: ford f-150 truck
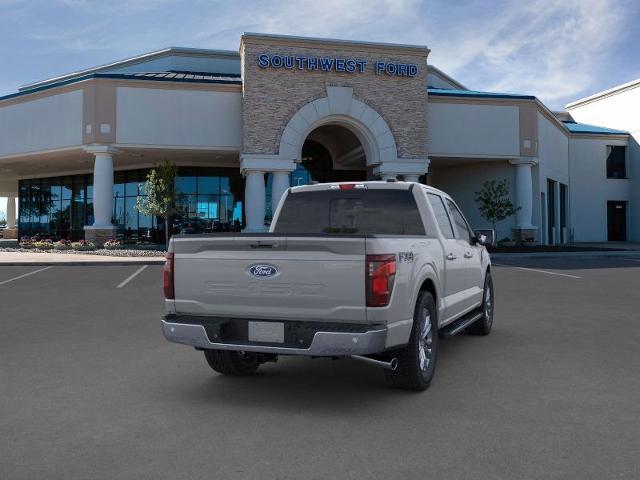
x,y
375,271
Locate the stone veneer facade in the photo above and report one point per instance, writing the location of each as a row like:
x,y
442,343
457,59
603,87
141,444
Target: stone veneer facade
x,y
272,96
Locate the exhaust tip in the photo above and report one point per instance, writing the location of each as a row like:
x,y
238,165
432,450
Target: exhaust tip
x,y
393,364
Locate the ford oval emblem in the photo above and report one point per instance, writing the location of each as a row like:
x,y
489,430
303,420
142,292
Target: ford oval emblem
x,y
263,270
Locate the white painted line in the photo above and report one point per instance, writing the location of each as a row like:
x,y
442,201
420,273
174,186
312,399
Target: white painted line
x,y
132,276
25,275
536,270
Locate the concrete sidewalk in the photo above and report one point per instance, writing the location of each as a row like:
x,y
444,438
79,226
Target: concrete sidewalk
x,y
33,258
592,253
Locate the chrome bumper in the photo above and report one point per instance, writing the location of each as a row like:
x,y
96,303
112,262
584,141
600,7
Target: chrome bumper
x,y
324,344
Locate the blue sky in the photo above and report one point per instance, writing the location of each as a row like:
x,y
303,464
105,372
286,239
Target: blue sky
x,y
558,50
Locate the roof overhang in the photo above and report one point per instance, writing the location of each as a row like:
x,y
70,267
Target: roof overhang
x,y
145,57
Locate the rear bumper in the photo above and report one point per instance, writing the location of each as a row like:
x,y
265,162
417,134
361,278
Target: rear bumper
x,y
190,331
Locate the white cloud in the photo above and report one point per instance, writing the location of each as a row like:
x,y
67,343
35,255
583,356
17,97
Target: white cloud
x,y
553,49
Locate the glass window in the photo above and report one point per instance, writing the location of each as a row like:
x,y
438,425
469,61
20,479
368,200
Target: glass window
x,y
186,185
462,228
65,224
62,206
356,212
442,217
90,186
118,213
207,206
131,218
131,184
616,161
119,179
67,188
209,185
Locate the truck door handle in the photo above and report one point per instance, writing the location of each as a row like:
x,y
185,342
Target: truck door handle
x,y
468,255
451,256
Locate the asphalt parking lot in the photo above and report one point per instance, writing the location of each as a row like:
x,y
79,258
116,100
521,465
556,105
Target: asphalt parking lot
x,y
89,389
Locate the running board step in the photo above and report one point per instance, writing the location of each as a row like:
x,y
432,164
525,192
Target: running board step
x,y
459,325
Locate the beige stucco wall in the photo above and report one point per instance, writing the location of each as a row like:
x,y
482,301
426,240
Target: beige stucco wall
x,y
272,96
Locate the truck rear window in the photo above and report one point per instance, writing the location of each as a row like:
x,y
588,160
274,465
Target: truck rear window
x,y
352,212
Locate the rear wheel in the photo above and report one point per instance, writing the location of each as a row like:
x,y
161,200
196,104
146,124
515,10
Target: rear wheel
x,y
232,363
483,326
417,361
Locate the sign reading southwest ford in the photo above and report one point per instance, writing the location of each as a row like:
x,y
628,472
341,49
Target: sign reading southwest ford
x,y
331,64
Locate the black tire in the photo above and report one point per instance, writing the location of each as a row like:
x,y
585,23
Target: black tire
x,y
232,363
483,326
414,373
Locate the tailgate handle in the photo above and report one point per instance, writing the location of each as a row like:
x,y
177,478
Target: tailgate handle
x,y
264,245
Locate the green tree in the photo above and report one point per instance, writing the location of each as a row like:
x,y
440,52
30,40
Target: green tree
x,y
160,199
494,203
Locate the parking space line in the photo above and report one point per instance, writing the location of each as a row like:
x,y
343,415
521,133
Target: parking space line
x,y
25,275
539,271
132,276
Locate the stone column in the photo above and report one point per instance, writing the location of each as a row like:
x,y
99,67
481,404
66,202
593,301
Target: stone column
x,y
11,232
255,200
102,228
253,167
11,212
279,185
524,198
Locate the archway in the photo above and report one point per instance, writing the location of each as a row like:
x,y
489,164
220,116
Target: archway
x,y
332,153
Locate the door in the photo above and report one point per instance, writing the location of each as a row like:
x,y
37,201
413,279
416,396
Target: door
x,y
617,221
454,275
563,213
471,260
551,212
543,219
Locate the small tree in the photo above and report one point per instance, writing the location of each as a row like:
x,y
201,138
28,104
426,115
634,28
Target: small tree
x,y
494,203
160,193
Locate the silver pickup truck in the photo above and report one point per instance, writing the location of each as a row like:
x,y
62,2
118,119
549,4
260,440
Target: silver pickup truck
x,y
374,271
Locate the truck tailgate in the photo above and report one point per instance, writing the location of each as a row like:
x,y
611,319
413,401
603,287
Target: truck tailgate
x,y
271,277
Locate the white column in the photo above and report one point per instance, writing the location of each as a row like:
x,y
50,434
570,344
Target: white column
x,y
102,190
524,192
11,212
255,200
411,178
279,185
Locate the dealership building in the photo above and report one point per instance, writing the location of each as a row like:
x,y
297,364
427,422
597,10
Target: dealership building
x,y
245,126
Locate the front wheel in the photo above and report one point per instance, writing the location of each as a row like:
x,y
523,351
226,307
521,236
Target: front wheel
x,y
232,363
417,361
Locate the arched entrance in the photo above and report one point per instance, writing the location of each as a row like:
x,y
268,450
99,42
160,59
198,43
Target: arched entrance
x,y
332,153
335,138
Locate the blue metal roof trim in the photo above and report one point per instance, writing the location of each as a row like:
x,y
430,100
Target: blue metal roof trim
x,y
222,79
575,127
445,92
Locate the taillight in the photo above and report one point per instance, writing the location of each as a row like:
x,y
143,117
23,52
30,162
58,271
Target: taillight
x,y
167,275
381,273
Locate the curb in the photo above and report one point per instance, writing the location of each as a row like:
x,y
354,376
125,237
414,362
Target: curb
x,y
596,254
75,263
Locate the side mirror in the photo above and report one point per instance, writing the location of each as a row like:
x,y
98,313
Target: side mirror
x,y
484,237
